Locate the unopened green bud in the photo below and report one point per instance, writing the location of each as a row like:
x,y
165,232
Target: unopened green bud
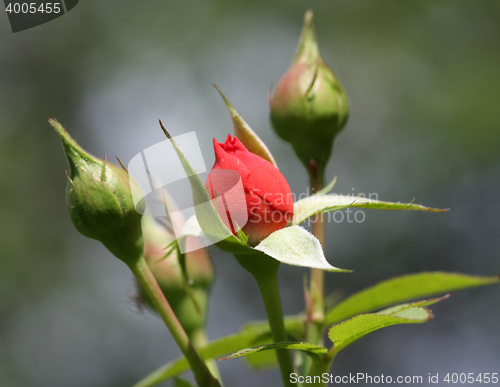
x,y
184,279
99,200
309,106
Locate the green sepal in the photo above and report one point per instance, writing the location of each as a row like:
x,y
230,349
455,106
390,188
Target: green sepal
x,y
320,203
328,188
296,246
246,135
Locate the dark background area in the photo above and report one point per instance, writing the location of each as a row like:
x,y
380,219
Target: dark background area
x,y
424,84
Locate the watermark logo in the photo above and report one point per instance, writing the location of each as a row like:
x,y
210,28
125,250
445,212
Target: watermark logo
x,y
166,192
24,15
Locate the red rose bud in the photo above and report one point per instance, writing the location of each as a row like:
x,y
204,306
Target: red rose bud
x,y
309,106
268,203
99,201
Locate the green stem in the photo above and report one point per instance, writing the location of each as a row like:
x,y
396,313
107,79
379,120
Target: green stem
x,y
315,312
322,366
265,271
202,374
200,340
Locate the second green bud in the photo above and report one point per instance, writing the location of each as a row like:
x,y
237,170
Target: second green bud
x,y
309,106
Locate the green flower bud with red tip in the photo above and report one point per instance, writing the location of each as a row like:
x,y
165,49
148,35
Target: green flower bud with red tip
x,y
309,106
99,200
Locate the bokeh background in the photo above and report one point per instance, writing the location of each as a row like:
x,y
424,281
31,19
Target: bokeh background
x,y
424,84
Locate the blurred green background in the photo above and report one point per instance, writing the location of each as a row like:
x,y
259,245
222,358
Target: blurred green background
x,y
424,84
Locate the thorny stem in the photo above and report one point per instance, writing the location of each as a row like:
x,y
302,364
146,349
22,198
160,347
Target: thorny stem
x,y
202,374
